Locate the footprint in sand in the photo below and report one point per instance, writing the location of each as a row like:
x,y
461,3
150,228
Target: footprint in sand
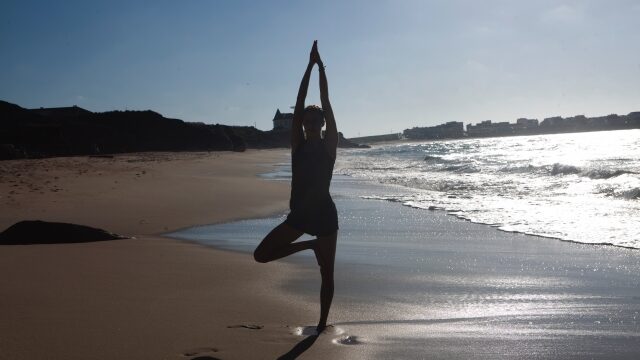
x,y
246,326
201,353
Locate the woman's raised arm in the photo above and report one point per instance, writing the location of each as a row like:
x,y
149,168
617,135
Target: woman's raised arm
x,y
297,134
331,134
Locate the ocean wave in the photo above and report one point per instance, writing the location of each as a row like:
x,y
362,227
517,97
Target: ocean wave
x,y
605,173
399,199
562,169
449,186
632,193
377,167
435,159
520,169
461,168
629,194
441,185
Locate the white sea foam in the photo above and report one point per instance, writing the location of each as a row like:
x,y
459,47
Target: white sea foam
x,y
580,187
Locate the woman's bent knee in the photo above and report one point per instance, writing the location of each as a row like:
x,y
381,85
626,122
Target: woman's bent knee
x,y
260,256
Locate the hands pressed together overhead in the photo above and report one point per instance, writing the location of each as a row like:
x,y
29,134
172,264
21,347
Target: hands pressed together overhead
x,y
314,57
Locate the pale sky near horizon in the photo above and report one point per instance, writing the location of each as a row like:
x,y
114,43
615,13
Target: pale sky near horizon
x,y
391,65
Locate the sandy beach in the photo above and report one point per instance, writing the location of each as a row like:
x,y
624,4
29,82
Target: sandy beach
x,y
410,283
141,194
149,297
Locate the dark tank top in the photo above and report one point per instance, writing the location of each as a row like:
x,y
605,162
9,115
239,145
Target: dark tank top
x,y
311,171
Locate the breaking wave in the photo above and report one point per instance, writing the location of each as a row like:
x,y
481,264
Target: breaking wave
x,y
462,168
629,193
605,173
435,159
563,169
566,186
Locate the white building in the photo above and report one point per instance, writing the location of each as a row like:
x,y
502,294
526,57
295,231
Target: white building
x,y
282,121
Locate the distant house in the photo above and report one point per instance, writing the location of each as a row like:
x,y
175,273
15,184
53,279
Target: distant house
x,y
62,112
282,121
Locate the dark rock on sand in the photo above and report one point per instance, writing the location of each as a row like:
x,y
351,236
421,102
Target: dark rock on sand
x,y
43,232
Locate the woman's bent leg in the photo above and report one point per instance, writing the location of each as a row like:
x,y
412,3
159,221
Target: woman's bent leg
x,y
326,254
279,243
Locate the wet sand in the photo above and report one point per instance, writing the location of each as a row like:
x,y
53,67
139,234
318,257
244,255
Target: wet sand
x,y
148,297
418,284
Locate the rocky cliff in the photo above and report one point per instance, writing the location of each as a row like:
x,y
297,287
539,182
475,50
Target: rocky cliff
x,y
29,133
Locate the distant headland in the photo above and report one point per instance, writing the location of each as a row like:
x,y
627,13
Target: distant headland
x,y
66,131
522,126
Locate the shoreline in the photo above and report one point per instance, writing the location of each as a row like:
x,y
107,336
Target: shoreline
x,y
494,226
497,227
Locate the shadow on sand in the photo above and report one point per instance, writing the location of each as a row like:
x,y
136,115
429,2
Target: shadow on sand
x,y
299,348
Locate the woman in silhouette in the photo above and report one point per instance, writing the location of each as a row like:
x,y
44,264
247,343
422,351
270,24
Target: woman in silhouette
x,y
312,209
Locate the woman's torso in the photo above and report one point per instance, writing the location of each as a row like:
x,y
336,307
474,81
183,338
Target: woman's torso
x,y
311,171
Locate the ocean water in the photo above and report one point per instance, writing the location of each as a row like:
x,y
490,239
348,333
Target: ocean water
x,y
582,187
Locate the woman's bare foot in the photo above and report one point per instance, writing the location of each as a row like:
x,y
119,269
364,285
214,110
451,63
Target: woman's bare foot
x,y
320,328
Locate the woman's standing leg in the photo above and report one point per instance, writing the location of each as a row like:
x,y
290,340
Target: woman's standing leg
x,y
325,250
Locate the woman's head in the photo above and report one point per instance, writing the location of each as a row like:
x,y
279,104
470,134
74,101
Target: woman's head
x,y
313,119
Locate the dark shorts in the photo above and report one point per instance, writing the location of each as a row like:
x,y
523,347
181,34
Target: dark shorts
x,y
319,220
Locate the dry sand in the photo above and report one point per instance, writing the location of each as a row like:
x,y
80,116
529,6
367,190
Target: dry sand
x,y
146,193
148,297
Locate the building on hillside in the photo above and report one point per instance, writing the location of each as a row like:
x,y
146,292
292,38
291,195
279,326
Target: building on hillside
x,y
282,121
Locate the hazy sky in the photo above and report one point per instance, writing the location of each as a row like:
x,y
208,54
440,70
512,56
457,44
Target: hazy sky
x,y
391,64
